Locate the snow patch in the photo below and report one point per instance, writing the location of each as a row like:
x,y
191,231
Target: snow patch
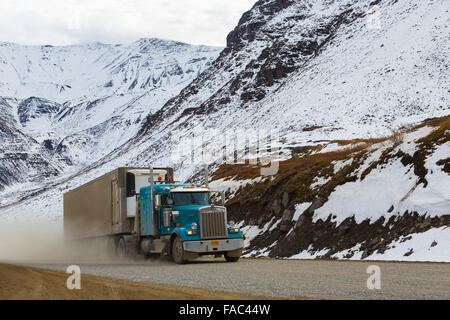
x,y
431,245
309,254
299,209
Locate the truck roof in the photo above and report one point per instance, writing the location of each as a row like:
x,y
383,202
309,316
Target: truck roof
x,y
179,188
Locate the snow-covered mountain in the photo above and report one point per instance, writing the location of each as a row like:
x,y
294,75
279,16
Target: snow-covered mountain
x,y
312,70
66,73
69,106
316,71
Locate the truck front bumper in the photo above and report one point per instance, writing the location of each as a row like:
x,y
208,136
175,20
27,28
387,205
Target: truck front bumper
x,y
214,246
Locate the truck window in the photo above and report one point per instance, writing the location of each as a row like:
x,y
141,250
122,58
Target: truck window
x,y
190,198
165,199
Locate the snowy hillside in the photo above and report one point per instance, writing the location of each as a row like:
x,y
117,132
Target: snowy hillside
x,y
362,200
321,74
313,71
78,103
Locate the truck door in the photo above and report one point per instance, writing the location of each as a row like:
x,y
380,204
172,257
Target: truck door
x,y
115,219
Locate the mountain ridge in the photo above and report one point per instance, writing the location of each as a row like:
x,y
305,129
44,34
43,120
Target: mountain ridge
x,y
78,102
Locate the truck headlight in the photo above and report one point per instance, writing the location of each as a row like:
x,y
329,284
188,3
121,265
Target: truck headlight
x,y
191,232
234,230
231,224
194,226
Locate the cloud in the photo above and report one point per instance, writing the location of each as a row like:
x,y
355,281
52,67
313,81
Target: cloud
x,y
119,21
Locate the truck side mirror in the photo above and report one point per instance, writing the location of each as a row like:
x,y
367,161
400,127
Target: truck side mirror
x,y
157,201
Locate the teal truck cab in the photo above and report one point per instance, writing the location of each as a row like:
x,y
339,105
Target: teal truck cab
x,y
180,220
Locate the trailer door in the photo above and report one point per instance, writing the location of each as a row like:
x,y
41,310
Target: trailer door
x,y
115,219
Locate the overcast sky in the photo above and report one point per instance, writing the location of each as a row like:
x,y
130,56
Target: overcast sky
x,y
62,22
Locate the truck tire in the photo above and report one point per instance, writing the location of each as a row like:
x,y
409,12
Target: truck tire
x,y
178,251
122,251
230,259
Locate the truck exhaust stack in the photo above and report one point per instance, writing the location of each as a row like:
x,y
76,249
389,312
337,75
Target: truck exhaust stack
x,y
206,176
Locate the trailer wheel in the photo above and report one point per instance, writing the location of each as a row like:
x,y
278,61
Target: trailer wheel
x,y
122,251
178,251
230,259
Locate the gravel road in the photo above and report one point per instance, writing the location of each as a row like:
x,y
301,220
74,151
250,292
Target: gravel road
x,y
287,278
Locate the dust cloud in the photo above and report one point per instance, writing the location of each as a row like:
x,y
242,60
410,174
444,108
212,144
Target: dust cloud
x,y
44,243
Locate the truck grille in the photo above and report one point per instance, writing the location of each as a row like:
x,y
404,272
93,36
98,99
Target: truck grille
x,y
213,223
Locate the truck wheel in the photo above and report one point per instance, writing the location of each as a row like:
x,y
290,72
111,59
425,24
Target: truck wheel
x,y
231,259
122,249
178,251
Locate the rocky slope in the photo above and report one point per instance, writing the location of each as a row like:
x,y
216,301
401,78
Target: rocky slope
x,y
363,199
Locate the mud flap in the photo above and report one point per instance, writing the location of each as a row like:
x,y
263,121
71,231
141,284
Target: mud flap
x,y
235,253
190,255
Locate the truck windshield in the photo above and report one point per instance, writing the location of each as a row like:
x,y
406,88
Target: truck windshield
x,y
190,198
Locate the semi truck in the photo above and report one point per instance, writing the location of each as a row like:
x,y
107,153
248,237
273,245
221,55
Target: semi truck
x,y
143,211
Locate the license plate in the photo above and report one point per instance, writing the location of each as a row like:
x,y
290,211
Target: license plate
x,y
215,243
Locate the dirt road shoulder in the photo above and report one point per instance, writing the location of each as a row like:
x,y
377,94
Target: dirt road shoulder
x,y
25,283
